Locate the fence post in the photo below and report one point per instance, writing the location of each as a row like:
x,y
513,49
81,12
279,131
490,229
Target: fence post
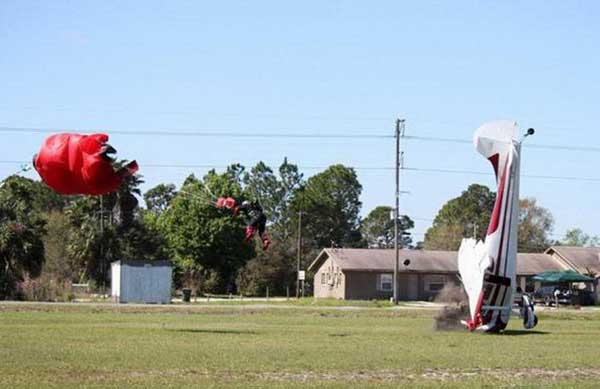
x,y
267,293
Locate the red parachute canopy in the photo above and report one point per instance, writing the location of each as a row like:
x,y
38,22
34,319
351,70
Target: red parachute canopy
x,y
78,164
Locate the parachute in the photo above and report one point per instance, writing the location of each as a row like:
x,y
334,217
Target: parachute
x,y
80,164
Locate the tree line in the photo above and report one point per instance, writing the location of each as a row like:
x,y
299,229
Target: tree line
x,y
50,240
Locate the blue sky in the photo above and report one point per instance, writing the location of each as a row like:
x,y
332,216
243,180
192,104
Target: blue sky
x,y
315,66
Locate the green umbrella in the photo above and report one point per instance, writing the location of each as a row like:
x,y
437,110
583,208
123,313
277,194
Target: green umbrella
x,y
562,276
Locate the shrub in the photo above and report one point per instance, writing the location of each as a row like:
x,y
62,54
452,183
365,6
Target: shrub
x,y
45,288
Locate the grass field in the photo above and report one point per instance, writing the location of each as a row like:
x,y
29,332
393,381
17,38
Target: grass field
x,y
300,346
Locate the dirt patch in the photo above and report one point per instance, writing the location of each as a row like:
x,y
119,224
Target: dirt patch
x,y
434,375
449,318
399,376
456,308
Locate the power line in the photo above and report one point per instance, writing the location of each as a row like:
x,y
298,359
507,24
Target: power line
x,y
554,234
312,134
528,145
209,133
473,172
359,168
422,219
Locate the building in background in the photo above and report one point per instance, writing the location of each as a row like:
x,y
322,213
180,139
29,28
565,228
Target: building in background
x,y
141,282
364,274
584,260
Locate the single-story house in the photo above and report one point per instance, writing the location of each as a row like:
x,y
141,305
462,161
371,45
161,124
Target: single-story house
x,y
584,260
364,274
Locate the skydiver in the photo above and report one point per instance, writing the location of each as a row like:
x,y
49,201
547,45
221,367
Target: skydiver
x,y
256,220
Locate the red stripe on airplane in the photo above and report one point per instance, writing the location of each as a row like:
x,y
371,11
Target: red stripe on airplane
x,y
495,220
495,160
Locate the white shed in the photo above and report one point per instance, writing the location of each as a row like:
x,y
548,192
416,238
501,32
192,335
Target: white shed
x,y
141,282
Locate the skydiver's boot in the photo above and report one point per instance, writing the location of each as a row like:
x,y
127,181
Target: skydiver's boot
x,y
249,233
266,242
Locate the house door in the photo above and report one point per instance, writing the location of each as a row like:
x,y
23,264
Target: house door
x,y
413,287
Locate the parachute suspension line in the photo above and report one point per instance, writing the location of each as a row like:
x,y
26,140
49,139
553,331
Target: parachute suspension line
x,y
256,197
203,199
211,194
23,168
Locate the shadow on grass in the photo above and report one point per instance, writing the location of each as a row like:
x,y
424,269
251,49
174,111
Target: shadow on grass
x,y
212,331
524,332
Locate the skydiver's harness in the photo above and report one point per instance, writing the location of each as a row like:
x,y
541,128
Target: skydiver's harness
x,y
256,220
254,215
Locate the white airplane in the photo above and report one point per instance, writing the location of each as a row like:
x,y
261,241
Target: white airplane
x,y
488,269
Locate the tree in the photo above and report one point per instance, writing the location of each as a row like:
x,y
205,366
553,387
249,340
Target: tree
x,y
378,228
123,202
330,204
576,237
108,228
274,268
92,243
275,192
206,243
467,215
535,225
159,198
21,231
57,259
46,200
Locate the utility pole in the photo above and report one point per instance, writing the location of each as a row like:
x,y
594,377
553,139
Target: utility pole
x,y
102,259
399,133
299,255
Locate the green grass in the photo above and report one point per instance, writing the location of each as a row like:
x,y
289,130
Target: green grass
x,y
303,302
242,346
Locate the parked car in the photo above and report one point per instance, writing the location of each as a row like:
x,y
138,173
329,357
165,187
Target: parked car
x,y
583,297
546,295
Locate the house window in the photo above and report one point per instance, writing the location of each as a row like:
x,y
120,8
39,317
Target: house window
x,y
434,283
323,278
329,277
436,286
386,282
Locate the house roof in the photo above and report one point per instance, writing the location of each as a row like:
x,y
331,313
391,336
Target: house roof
x,y
581,258
422,261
